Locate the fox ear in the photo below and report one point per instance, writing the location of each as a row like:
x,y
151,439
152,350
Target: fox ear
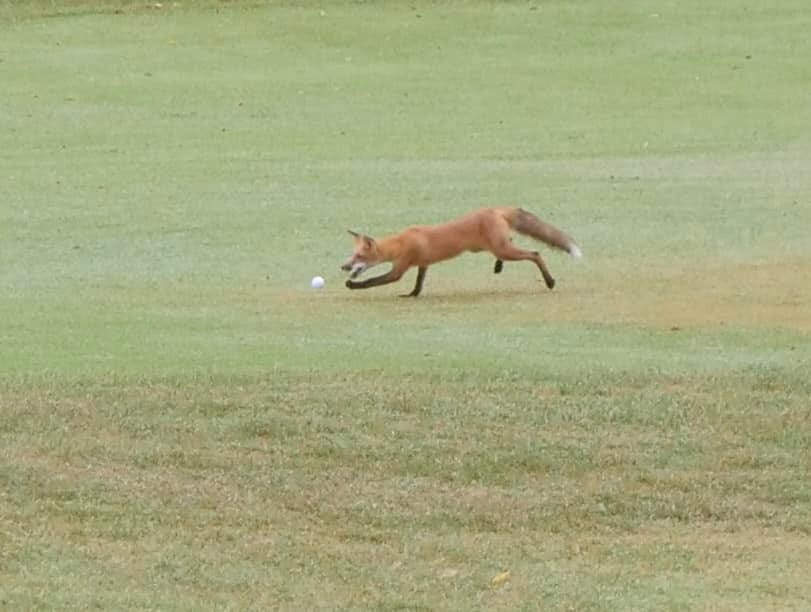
x,y
369,242
353,234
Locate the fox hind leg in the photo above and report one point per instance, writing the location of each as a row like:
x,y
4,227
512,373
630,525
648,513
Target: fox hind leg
x,y
508,252
500,263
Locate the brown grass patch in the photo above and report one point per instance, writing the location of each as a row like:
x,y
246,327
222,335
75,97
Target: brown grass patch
x,y
774,295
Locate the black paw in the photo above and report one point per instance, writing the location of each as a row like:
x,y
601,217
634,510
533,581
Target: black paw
x,y
498,267
350,284
550,282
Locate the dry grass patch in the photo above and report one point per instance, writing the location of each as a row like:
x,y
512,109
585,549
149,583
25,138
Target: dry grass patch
x,y
293,491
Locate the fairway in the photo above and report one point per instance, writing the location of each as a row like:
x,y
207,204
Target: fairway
x,y
186,424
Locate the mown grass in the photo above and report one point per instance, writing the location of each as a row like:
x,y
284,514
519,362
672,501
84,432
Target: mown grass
x,y
316,490
186,425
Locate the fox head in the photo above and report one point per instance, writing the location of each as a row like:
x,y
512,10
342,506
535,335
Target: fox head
x,y
365,256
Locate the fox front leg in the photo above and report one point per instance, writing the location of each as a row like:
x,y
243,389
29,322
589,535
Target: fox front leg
x,y
392,276
418,286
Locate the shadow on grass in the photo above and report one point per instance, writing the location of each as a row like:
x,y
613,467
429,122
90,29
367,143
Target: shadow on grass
x,y
453,296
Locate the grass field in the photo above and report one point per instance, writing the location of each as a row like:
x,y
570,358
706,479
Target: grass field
x,y
185,424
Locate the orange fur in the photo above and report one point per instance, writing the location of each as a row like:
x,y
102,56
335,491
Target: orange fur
x,y
486,229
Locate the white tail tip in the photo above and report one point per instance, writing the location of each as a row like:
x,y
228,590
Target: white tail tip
x,y
575,251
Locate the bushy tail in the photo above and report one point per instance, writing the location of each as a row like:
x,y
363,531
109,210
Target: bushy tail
x,y
528,224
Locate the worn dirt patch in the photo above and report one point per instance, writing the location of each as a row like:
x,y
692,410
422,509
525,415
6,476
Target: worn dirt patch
x,y
769,294
772,295
775,295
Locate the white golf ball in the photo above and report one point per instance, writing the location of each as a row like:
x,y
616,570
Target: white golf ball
x,y
317,282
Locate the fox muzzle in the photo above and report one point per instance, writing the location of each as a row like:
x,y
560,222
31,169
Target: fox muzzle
x,y
354,268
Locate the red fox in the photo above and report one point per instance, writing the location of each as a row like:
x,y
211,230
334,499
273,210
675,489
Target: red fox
x,y
486,229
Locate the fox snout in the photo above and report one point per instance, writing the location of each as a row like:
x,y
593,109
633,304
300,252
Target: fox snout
x,y
354,268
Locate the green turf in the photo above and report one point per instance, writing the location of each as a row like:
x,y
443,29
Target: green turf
x,y
185,424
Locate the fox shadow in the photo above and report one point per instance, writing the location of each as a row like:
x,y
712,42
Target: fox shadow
x,y
450,296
